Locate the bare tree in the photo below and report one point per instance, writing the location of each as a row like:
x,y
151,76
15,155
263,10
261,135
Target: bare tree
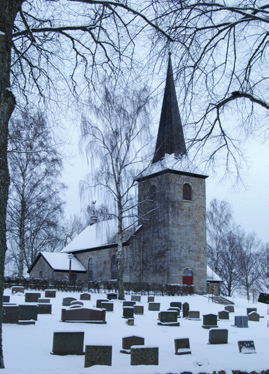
x,y
116,139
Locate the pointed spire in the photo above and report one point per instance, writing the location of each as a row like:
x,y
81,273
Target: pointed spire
x,y
170,134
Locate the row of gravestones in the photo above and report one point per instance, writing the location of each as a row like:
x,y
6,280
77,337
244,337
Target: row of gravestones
x,y
72,343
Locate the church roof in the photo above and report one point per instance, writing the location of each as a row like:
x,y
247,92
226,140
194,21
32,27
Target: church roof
x,y
170,139
212,276
59,262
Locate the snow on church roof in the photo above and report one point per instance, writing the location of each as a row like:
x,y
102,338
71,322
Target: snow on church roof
x,y
212,276
60,261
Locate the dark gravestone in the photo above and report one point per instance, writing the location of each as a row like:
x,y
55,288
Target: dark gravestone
x,y
218,336
154,306
194,314
246,346
28,312
168,318
44,309
263,298
32,297
182,346
186,309
176,310
138,309
136,298
17,289
10,313
50,294
84,315
43,301
254,316
6,299
99,302
112,296
209,321
85,296
98,355
68,343
128,312
128,303
129,341
67,301
144,356
241,321
229,308
224,314
109,307
249,310
76,303
176,304
130,322
151,299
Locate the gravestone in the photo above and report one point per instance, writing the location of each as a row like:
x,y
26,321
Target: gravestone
x,y
144,355
224,314
67,301
128,312
6,299
241,321
98,355
136,298
32,297
176,310
168,318
263,298
138,309
249,310
182,346
112,296
17,289
246,346
186,309
28,312
85,296
10,313
130,321
50,294
99,302
254,316
84,315
151,299
194,314
130,341
209,321
44,308
218,336
43,301
76,303
68,343
109,307
128,303
176,304
154,306
229,308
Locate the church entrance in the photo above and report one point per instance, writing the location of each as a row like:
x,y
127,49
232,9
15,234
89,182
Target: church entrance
x,y
187,277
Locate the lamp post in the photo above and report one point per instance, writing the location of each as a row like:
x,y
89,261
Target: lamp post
x,y
70,256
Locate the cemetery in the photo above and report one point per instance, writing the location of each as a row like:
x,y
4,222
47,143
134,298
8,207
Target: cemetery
x,y
92,336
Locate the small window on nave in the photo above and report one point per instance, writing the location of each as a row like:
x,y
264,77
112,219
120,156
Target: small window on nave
x,y
187,192
90,268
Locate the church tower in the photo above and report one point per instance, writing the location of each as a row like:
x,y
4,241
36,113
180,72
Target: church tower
x,y
170,247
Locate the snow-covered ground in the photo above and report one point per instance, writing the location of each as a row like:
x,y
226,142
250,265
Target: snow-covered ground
x,y
27,348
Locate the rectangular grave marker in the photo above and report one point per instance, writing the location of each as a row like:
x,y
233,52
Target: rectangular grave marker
x,y
182,346
68,343
144,356
246,346
154,306
130,341
98,355
241,321
218,336
168,318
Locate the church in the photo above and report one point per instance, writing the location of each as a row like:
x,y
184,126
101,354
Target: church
x,y
168,244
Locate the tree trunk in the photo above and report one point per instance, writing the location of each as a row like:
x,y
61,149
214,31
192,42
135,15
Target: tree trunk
x,y
21,238
119,253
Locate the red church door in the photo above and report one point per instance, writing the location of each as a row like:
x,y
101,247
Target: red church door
x,y
187,278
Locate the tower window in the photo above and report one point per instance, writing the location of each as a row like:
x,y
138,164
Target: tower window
x,y
187,192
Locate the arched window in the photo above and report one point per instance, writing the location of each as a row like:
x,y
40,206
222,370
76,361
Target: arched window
x,y
187,192
187,277
90,270
114,269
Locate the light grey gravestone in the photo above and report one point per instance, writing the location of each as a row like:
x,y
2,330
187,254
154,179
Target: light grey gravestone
x,y
85,296
109,307
186,309
128,303
99,302
136,298
168,318
229,308
241,321
128,312
98,355
194,315
176,304
44,308
246,346
224,314
10,313
32,297
209,321
67,301
17,289
112,296
254,316
151,299
154,306
144,355
249,310
139,309
43,301
28,312
182,346
176,310
218,336
50,294
130,341
68,343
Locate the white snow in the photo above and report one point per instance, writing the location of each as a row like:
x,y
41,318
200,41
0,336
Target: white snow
x,y
60,261
27,348
2,33
212,276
